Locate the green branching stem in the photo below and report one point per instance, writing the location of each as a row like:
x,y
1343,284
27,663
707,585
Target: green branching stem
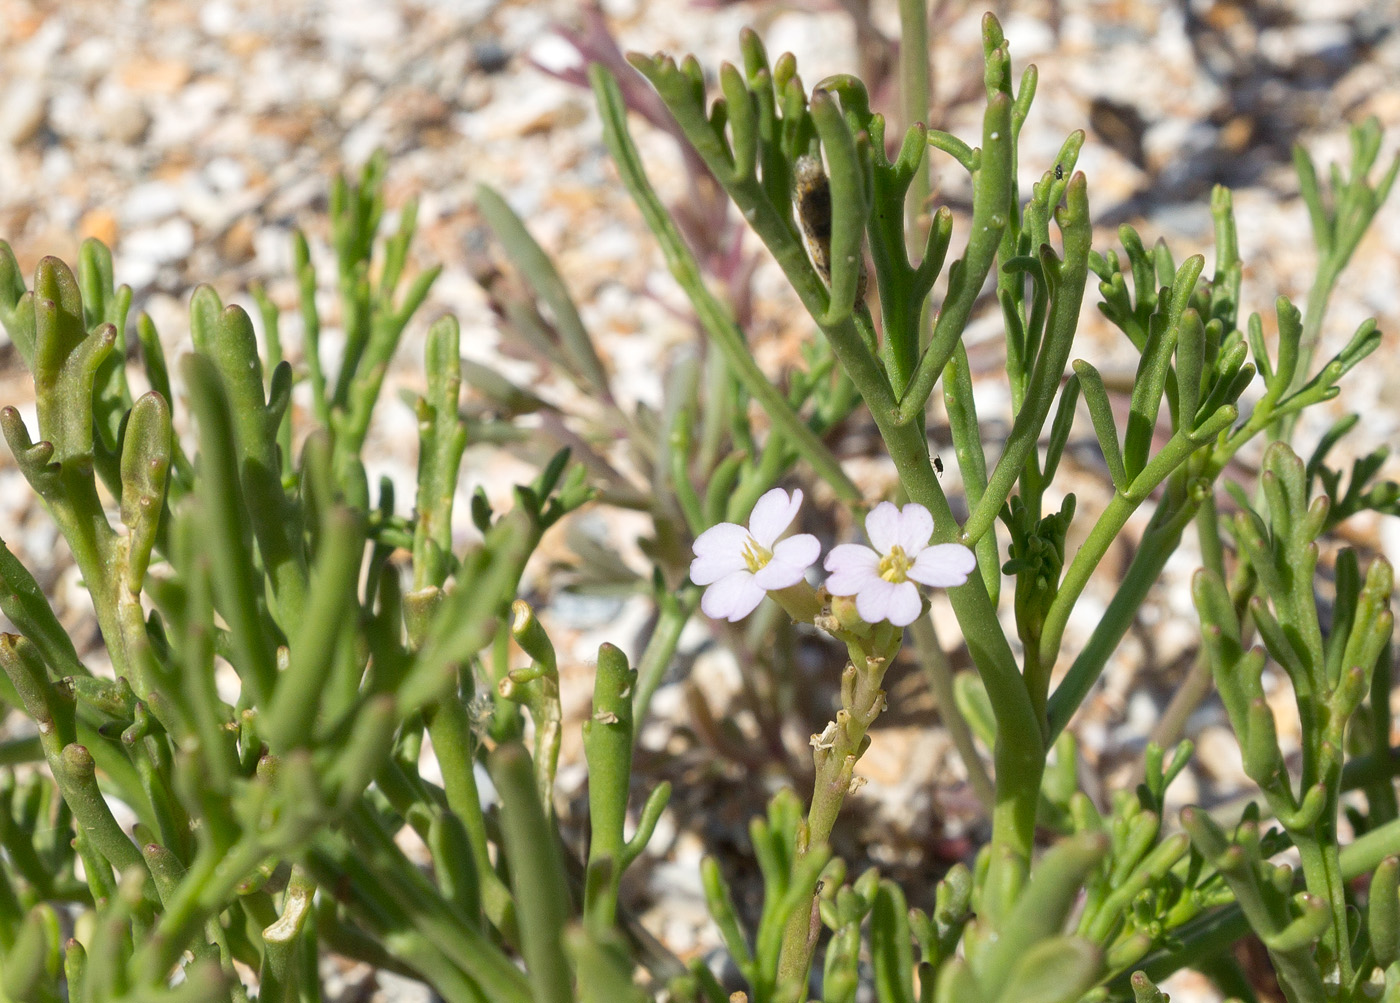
x,y
1203,937
1338,229
1019,755
990,206
1170,519
226,519
1159,542
1106,530
713,316
224,336
1068,287
442,438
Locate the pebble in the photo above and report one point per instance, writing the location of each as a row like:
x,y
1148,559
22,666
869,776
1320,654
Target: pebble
x,y
47,41
206,206
218,18
91,59
57,165
22,112
403,990
122,118
225,175
361,25
155,76
272,249
555,54
181,120
580,611
150,203
237,244
1218,754
160,244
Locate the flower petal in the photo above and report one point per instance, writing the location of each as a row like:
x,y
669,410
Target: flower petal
x,y
852,566
732,597
874,599
915,528
724,536
719,551
791,559
772,514
882,526
943,565
905,604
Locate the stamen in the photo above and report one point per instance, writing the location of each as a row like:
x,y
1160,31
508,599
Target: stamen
x,y
894,565
756,556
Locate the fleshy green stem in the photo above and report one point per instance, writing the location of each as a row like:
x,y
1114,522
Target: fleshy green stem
x,y
714,317
1202,937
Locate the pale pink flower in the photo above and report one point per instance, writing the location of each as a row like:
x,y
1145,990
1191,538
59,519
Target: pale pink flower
x,y
882,579
740,565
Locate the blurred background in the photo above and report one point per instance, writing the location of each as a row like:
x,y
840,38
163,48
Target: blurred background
x,y
195,138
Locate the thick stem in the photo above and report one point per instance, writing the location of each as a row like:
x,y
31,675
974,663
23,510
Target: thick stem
x,y
1322,871
1020,750
1380,796
455,747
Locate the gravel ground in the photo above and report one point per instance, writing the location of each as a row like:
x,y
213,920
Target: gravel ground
x,y
195,137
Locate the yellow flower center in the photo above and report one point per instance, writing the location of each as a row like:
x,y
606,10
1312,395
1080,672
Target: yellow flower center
x,y
756,556
894,565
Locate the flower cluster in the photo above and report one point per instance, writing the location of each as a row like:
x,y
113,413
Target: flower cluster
x,y
740,565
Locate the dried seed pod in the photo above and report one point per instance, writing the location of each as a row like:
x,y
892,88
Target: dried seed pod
x,y
812,193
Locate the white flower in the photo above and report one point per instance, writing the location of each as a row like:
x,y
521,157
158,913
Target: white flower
x,y
882,580
740,565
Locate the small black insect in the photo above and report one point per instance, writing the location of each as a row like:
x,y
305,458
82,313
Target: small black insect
x,y
1059,173
938,465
